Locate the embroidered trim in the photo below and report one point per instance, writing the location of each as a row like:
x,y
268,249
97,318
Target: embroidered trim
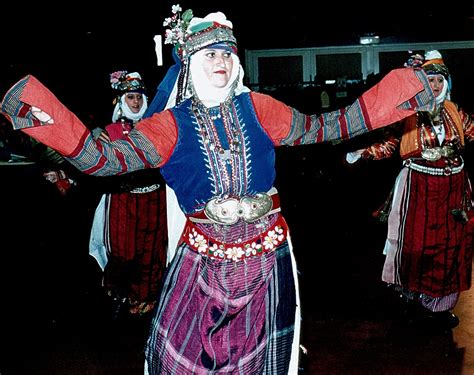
x,y
266,242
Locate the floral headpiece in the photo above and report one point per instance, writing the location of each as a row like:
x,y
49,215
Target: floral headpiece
x,y
123,82
190,34
178,25
415,61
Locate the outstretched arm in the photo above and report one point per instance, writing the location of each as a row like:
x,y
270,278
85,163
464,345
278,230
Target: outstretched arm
x,y
31,107
399,94
377,151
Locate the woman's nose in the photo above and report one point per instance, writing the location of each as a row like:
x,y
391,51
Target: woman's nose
x,y
219,60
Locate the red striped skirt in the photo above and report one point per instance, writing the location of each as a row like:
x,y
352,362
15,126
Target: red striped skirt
x,y
137,242
428,251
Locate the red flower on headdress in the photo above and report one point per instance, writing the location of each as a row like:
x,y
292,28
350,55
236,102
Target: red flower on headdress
x,y
116,78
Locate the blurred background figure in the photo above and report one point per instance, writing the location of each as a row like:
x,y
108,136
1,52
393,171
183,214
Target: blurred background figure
x,y
129,233
429,243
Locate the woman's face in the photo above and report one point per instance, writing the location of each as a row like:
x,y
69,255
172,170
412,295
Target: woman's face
x,y
134,101
436,82
217,64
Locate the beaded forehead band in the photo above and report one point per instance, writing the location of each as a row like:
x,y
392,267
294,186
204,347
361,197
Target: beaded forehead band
x,y
211,35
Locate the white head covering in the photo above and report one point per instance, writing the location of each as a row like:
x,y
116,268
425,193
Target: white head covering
x,y
444,91
125,83
123,110
209,95
434,66
218,17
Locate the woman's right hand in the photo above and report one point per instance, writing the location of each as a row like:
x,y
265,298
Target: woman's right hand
x,y
104,136
354,156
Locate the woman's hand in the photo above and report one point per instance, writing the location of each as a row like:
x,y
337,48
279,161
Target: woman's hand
x,y
104,136
41,115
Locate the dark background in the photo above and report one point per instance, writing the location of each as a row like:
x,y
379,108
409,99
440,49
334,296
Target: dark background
x,y
49,283
75,63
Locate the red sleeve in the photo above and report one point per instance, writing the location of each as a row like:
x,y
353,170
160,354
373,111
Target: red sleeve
x,y
63,140
274,116
162,131
116,131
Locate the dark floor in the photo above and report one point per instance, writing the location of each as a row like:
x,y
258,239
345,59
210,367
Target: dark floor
x,y
54,316
363,337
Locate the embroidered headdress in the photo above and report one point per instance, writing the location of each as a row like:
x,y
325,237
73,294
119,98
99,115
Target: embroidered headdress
x,y
123,82
188,35
434,64
415,60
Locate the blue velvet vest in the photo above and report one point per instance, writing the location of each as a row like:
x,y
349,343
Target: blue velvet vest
x,y
198,173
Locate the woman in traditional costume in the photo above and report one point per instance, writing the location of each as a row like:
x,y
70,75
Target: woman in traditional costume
x,y
129,233
430,237
229,301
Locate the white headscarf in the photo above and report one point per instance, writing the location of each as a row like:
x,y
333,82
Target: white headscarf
x,y
218,17
444,94
123,110
208,94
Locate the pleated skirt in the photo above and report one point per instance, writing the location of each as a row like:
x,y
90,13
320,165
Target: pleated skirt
x,y
427,249
137,242
225,317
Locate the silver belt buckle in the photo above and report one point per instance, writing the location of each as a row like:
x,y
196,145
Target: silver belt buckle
x,y
431,154
256,207
435,153
228,211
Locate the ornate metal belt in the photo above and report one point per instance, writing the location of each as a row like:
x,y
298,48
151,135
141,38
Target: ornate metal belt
x,y
445,171
436,153
228,211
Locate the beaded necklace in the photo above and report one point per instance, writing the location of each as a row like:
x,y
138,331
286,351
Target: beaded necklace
x,y
225,152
